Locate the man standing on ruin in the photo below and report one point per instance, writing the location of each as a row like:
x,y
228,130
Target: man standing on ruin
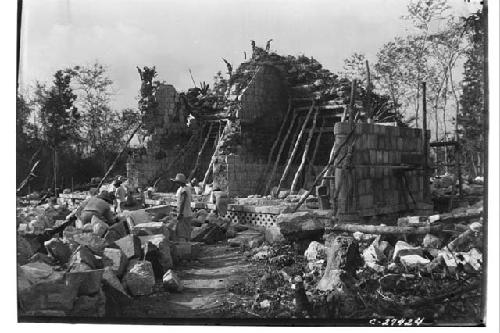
x,y
184,212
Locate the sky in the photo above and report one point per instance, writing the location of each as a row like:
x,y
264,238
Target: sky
x,y
178,35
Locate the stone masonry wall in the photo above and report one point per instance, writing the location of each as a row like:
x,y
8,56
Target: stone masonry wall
x,y
241,178
383,159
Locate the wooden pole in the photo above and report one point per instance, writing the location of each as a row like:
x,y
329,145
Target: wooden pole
x,y
386,230
333,156
181,153
304,154
27,179
351,102
196,164
425,144
296,146
275,143
316,147
112,166
212,160
276,162
368,110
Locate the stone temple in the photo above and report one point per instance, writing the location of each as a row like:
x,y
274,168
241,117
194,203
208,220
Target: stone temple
x,y
272,124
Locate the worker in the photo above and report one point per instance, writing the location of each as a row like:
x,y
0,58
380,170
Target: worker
x,y
120,196
184,212
219,198
99,206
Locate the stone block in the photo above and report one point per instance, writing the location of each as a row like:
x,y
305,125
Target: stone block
x,y
116,232
110,279
402,249
139,278
90,306
300,225
118,260
24,250
413,260
41,288
95,243
58,250
130,246
83,255
86,281
432,241
137,217
161,244
151,228
171,282
99,227
315,251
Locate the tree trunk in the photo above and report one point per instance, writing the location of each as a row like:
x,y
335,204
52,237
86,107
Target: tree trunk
x,y
55,169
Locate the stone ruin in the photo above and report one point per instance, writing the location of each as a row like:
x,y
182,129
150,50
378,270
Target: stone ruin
x,y
233,134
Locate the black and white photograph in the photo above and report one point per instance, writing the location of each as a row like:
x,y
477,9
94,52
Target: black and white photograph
x,y
254,163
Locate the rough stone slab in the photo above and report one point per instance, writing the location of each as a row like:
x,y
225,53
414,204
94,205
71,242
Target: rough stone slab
x,y
116,232
432,241
402,248
413,260
99,227
163,245
95,243
109,277
315,251
41,288
24,250
161,209
87,282
118,260
300,225
342,253
130,246
137,217
42,258
139,278
90,306
58,250
172,282
83,255
151,228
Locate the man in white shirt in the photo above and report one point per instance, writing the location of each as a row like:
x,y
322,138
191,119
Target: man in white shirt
x,y
120,195
184,213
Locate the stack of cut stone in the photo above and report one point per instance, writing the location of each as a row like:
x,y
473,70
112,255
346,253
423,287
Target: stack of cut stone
x,y
78,273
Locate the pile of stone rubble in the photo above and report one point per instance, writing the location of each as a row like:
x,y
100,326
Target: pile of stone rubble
x,y
356,275
87,271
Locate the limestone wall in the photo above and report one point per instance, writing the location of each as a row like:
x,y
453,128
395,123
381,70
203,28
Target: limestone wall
x,y
384,174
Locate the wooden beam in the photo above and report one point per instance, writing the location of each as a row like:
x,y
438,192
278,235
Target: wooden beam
x,y
295,148
112,166
304,154
276,141
387,230
316,146
333,156
196,164
280,151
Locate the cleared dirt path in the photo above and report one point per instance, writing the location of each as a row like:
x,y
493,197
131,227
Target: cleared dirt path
x,y
205,286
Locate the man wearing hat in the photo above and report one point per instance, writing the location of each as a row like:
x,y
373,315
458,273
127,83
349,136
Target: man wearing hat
x,y
100,206
184,212
120,195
